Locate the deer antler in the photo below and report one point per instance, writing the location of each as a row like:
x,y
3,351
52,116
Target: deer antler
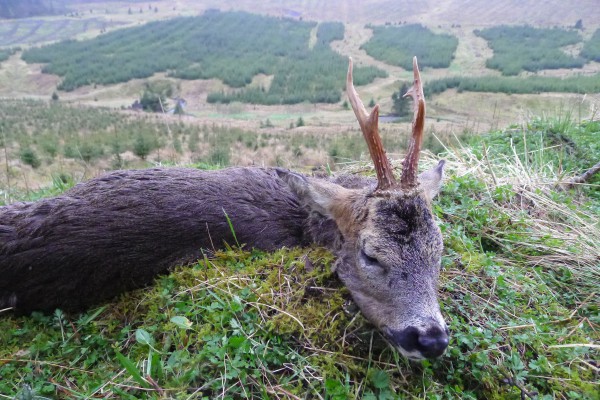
x,y
411,161
370,129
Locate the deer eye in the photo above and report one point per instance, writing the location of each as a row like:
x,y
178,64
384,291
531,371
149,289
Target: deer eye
x,y
369,259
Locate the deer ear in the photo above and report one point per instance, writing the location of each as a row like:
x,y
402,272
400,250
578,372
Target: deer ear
x,y
431,180
315,194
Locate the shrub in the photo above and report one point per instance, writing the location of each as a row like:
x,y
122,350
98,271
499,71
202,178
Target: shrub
x,y
219,155
89,151
515,85
30,157
142,146
154,97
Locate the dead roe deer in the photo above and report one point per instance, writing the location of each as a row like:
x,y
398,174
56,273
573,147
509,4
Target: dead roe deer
x,y
119,231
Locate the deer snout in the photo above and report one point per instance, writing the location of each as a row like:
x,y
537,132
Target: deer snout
x,y
418,344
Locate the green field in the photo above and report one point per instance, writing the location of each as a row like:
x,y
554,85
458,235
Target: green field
x,y
282,61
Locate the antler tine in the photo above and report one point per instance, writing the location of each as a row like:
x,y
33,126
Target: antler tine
x,y
411,161
369,125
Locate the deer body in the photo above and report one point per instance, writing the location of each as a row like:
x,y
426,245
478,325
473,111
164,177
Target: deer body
x,y
118,231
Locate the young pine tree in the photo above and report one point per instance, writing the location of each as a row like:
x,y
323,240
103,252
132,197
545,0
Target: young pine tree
x,y
401,105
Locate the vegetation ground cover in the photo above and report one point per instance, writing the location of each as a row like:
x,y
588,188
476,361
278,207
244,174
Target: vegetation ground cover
x,y
525,48
520,272
50,135
516,85
233,47
397,45
52,130
119,95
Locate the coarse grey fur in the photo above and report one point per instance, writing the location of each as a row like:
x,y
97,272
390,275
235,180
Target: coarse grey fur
x,y
119,231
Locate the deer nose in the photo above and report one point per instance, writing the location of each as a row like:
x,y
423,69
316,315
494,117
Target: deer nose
x,y
431,343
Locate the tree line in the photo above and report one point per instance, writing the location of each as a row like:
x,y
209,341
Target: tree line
x,y
515,85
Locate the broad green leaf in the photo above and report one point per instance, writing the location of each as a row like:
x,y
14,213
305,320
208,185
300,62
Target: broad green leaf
x,y
182,322
143,336
380,379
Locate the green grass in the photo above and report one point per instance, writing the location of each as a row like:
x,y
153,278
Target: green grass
x,y
518,288
555,144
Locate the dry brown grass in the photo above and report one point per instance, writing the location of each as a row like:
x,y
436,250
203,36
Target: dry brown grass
x,y
560,233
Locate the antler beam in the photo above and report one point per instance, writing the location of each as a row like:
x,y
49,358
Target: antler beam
x,y
369,124
411,161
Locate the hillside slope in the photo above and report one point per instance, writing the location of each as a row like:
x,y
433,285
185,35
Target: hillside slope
x,y
29,8
429,12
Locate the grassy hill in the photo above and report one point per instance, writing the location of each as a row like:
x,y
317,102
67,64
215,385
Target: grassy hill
x,y
520,275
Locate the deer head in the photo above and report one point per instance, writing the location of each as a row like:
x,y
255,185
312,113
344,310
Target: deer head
x,y
390,255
